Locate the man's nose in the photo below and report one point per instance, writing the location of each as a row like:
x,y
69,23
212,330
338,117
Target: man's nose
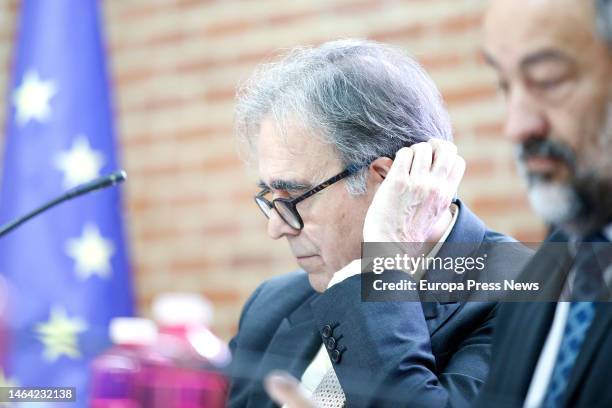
x,y
525,119
277,228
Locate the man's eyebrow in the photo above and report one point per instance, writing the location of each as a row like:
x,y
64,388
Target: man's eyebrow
x,y
285,185
532,59
489,59
544,56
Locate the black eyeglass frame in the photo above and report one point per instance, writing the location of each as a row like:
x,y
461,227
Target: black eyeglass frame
x,y
291,204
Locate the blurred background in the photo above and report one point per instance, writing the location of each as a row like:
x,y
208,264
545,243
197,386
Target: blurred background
x,y
191,223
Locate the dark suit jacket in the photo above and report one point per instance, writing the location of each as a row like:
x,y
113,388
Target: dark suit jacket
x,y
520,333
384,353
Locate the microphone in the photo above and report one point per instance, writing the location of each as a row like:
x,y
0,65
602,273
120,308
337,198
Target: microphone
x,y
116,177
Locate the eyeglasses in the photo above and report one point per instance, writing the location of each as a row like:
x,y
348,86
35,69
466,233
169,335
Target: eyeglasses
x,y
286,207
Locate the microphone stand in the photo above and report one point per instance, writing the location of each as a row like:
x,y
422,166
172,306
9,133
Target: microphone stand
x,y
99,183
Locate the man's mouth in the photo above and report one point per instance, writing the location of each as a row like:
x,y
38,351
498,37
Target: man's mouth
x,y
542,164
305,257
546,157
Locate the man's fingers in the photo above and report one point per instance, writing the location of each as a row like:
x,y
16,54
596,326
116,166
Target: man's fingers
x,y
456,174
284,389
439,143
421,163
444,154
400,169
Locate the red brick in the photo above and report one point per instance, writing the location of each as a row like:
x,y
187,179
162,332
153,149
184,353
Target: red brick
x,y
431,62
141,204
190,265
535,235
491,129
222,230
204,132
457,24
251,261
292,18
221,95
187,4
358,7
408,32
128,77
134,141
142,11
469,94
221,164
230,27
499,205
223,296
166,38
244,195
156,104
199,65
14,6
156,170
481,167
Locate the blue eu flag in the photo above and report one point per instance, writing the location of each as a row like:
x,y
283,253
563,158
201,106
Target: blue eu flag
x,y
66,271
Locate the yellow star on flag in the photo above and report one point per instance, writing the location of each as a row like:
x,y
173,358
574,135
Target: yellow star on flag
x,y
59,335
32,97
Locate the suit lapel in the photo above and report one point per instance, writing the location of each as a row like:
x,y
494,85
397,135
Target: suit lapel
x,y
292,348
436,314
531,323
294,340
532,320
599,330
468,232
308,344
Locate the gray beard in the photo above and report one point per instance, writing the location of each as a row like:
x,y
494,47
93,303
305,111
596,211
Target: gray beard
x,y
583,204
579,207
557,203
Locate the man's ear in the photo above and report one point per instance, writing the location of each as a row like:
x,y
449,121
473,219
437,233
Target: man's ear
x,y
380,167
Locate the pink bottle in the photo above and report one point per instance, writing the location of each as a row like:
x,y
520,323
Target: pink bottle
x,y
116,374
191,376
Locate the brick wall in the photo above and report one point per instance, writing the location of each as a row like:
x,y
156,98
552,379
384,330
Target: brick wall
x,y
175,64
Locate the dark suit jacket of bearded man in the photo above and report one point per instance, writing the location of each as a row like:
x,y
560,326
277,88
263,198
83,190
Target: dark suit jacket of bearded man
x,y
521,330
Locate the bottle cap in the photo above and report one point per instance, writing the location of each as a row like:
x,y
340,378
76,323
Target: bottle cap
x,y
182,309
132,330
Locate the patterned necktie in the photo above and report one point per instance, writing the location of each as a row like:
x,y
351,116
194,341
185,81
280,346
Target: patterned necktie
x,y
587,285
579,320
328,393
594,256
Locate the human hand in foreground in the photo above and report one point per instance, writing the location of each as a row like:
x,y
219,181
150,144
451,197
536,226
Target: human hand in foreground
x,y
285,390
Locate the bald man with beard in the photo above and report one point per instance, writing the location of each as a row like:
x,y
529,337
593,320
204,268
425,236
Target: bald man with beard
x,y
553,59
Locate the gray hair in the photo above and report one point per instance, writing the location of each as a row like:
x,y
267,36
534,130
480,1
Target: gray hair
x,y
604,20
366,99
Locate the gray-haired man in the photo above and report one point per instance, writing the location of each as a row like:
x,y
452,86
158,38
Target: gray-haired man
x,y
324,124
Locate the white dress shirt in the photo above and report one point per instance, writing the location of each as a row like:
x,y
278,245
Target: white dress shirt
x,y
546,362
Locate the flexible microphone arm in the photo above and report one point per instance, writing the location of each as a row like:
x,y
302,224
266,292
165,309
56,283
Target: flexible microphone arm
x,y
117,177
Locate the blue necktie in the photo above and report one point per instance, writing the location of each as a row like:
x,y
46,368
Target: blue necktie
x,y
579,320
588,283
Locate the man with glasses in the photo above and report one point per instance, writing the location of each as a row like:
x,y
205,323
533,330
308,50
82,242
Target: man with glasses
x,y
286,208
352,143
